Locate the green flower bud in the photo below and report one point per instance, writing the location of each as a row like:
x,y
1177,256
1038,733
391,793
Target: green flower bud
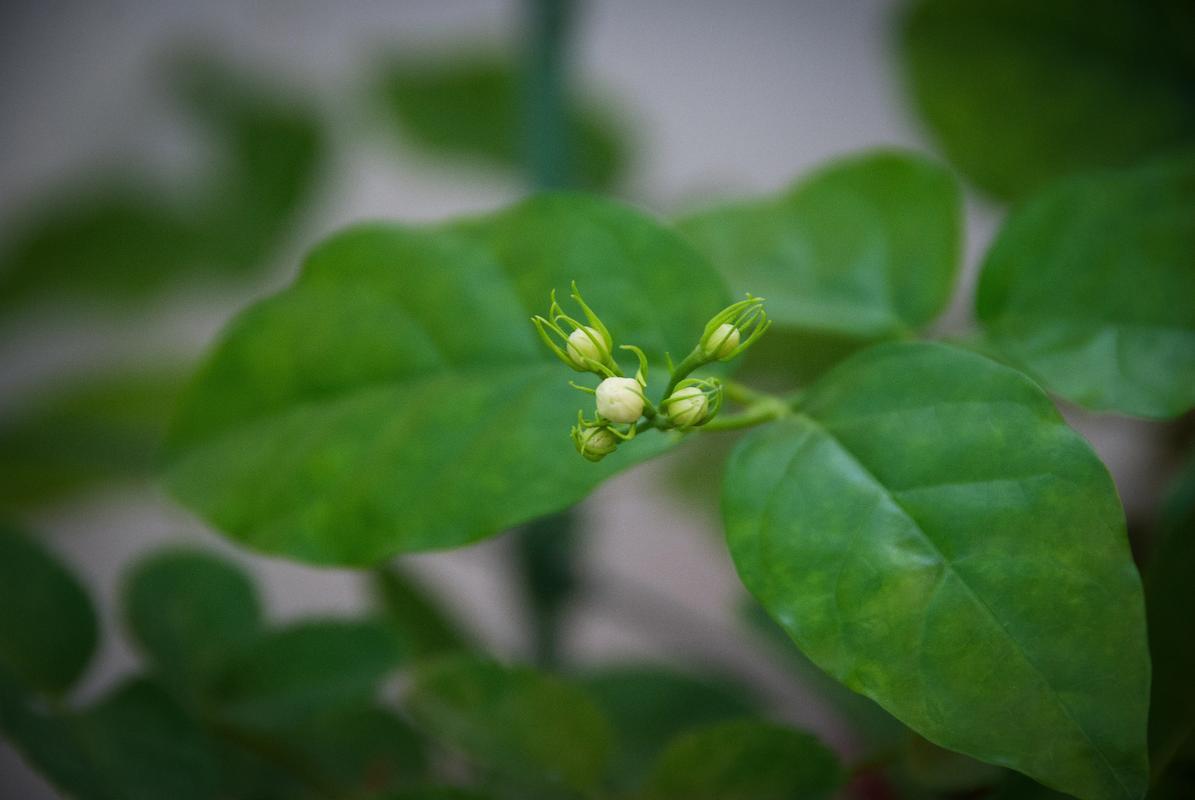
x,y
722,342
620,399
587,343
687,407
594,443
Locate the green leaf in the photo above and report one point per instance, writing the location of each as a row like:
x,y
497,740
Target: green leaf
x,y
397,398
1088,288
547,556
867,247
305,669
123,237
1170,596
744,760
528,728
930,532
423,627
93,430
48,628
1020,92
134,744
473,107
189,610
648,706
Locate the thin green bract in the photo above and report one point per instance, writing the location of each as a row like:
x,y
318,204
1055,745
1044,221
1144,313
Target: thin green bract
x,y
1090,287
931,533
396,398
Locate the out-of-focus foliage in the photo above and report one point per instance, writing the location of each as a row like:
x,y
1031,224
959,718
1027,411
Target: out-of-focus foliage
x,y
648,706
547,556
1020,92
1089,287
125,237
865,248
1170,599
395,397
423,628
104,428
932,534
744,760
474,107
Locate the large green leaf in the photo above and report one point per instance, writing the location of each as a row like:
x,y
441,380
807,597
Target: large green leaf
x,y
648,706
475,107
189,610
102,428
531,730
1089,287
120,237
313,667
1170,594
744,760
1021,92
930,532
867,247
396,398
47,624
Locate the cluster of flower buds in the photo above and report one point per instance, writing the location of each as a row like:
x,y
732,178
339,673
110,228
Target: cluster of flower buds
x,y
622,401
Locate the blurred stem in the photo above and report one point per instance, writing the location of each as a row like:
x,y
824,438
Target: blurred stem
x,y
548,155
547,555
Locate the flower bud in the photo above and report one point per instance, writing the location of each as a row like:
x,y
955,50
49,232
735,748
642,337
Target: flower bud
x,y
587,343
594,443
620,399
687,407
722,342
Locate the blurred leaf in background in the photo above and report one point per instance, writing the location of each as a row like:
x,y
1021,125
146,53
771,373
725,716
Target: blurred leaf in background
x,y
473,107
102,428
121,237
1020,92
423,627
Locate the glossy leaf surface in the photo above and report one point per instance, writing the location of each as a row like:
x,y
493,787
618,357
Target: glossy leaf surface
x,y
744,760
190,611
397,398
931,533
1020,92
531,730
867,247
48,628
1088,288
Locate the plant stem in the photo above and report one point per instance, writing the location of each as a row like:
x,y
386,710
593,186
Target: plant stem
x,y
548,154
691,362
766,409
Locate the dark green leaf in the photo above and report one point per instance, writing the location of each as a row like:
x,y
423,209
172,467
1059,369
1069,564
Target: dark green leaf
x,y
1021,92
436,793
530,729
867,247
1088,287
47,625
931,533
189,610
744,760
546,555
305,669
121,237
474,107
648,706
940,770
135,744
99,429
423,627
1170,595
397,398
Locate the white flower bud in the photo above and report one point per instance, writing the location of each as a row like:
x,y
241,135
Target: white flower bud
x,y
687,406
722,342
594,443
620,399
581,346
